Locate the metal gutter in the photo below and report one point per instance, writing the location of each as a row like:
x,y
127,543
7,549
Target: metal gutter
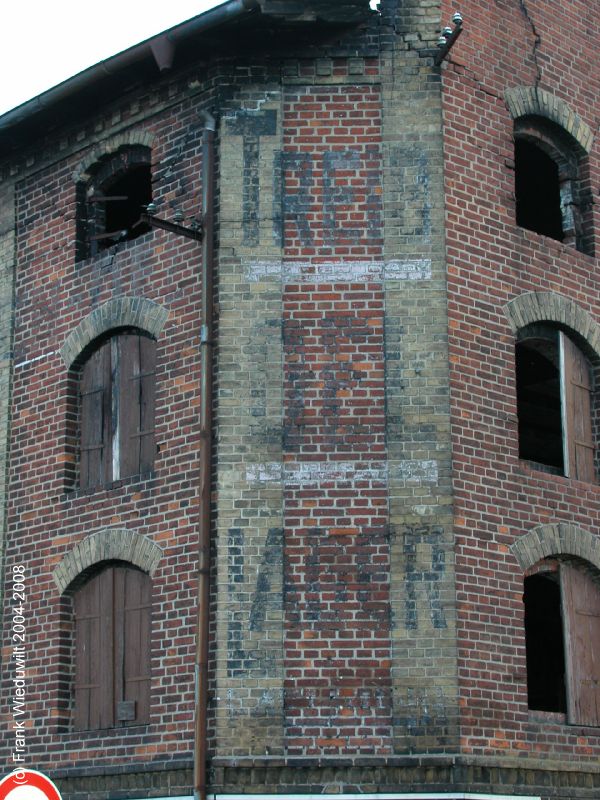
x,y
154,47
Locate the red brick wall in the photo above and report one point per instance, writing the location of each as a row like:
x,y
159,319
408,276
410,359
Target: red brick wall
x,y
46,516
491,261
337,548
337,648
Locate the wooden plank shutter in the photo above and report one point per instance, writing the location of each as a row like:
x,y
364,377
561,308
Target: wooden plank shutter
x,y
147,380
576,391
581,625
95,419
136,404
94,653
135,601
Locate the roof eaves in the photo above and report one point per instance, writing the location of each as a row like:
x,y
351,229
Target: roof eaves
x,y
159,50
214,17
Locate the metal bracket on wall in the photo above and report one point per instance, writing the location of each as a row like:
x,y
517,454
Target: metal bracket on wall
x,y
448,37
173,227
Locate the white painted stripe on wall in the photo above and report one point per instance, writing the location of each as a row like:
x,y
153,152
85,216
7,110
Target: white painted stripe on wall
x,y
416,269
414,472
33,360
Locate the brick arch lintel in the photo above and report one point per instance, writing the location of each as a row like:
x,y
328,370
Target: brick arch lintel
x,y
134,312
108,147
107,544
555,539
551,307
525,100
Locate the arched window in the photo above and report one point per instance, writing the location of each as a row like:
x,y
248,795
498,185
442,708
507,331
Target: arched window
x,y
112,614
552,193
111,201
116,409
554,403
562,634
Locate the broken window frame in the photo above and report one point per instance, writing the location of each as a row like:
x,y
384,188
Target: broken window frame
x,y
103,186
573,178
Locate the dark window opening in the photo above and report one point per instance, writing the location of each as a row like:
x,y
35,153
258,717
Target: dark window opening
x,y
130,195
537,190
111,202
544,643
112,649
554,405
553,187
538,402
562,639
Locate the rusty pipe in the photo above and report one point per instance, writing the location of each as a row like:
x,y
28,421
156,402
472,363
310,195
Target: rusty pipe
x,y
206,414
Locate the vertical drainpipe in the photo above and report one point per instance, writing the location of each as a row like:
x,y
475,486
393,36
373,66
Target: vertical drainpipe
x,y
206,364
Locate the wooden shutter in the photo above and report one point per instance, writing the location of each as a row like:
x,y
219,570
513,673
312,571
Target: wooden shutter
x,y
137,378
94,653
576,390
133,599
95,419
112,649
581,625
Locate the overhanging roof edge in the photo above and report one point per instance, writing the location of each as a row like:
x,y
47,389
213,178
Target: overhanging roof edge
x,y
121,61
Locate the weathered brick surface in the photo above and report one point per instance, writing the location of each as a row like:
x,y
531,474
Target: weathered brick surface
x,y
54,526
337,622
372,521
417,396
511,59
7,267
545,779
250,523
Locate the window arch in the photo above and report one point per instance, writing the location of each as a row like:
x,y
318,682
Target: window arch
x,y
110,199
112,654
562,636
552,189
555,402
116,408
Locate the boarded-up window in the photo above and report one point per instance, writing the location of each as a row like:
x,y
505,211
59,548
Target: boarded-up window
x,y
117,410
554,403
112,649
562,628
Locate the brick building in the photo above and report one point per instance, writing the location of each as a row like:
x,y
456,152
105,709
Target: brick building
x,y
361,264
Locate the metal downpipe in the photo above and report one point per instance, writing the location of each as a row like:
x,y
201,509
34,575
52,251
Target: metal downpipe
x,y
206,413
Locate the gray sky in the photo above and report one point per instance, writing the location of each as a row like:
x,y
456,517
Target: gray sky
x,y
45,42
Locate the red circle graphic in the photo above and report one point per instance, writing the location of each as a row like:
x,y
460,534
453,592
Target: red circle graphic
x,y
28,777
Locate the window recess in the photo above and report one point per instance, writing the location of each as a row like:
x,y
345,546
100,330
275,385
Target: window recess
x,y
117,398
111,202
554,405
537,191
552,187
562,634
112,649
